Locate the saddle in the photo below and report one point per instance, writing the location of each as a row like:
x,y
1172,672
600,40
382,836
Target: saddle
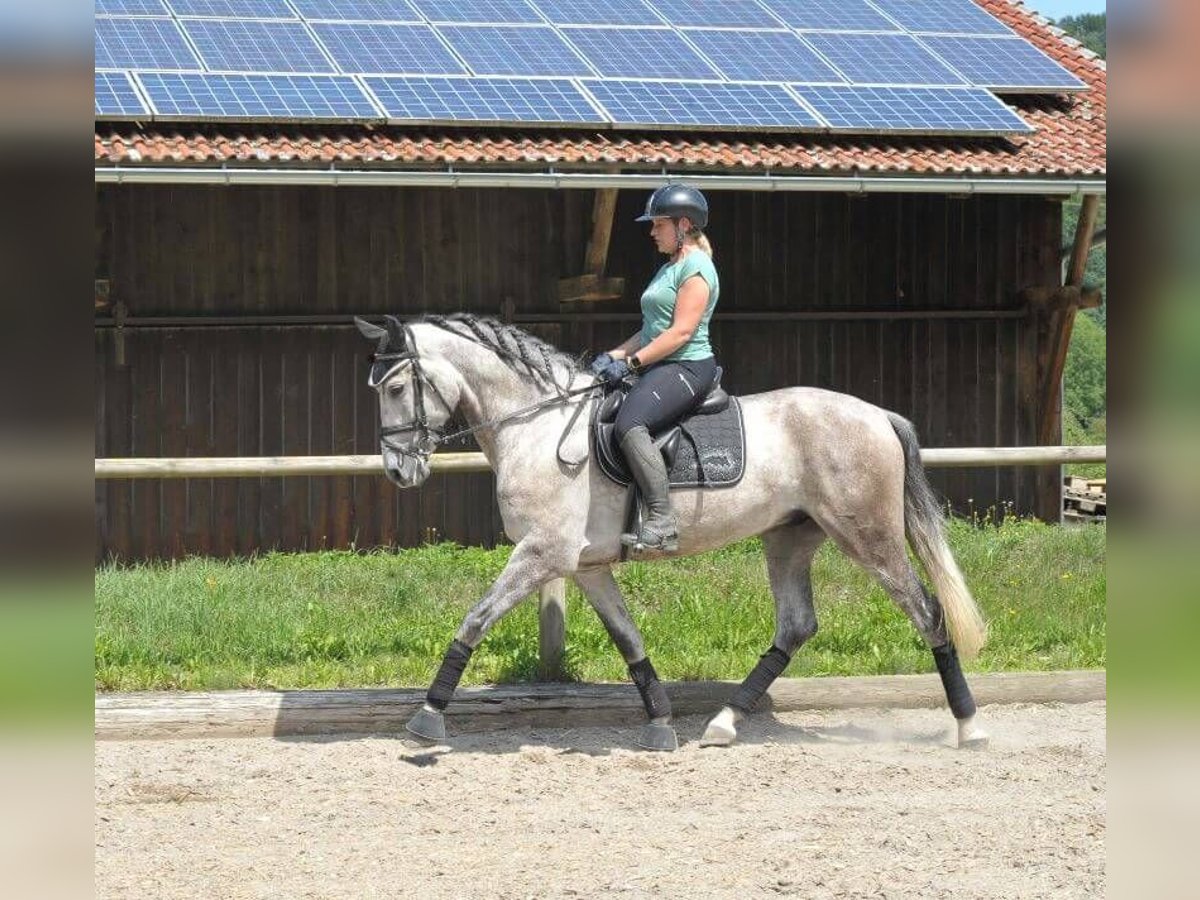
x,y
706,450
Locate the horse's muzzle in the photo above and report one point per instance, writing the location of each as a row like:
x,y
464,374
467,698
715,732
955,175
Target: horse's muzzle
x,y
403,469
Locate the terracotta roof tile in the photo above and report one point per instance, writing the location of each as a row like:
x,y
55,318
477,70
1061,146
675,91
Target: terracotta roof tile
x,y
1070,139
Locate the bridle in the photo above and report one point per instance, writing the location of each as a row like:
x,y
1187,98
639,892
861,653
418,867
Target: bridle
x,y
385,364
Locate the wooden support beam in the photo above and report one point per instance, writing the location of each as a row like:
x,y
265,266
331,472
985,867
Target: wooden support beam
x,y
1099,239
552,629
1056,299
589,287
603,211
1062,323
1083,239
570,315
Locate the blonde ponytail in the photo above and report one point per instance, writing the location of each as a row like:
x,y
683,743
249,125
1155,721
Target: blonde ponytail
x,y
702,241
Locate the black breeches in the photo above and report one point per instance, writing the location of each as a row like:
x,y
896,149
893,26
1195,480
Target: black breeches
x,y
664,394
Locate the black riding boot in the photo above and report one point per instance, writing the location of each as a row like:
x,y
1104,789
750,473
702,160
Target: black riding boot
x,y
659,531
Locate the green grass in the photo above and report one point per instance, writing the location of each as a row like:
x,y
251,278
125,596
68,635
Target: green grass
x,y
349,619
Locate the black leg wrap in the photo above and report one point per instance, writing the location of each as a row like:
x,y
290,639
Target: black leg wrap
x,y
654,695
962,704
770,666
448,675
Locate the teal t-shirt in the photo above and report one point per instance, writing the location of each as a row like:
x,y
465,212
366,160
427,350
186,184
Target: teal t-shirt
x,y
658,303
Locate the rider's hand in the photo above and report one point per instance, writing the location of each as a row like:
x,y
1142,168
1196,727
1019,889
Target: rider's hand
x,y
616,370
600,363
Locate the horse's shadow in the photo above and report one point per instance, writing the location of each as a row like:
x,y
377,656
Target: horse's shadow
x,y
604,739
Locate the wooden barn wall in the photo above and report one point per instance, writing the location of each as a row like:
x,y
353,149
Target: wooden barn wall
x,y
216,391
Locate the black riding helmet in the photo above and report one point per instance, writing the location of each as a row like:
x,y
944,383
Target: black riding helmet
x,y
674,201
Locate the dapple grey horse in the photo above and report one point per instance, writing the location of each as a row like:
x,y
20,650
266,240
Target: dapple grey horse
x,y
818,465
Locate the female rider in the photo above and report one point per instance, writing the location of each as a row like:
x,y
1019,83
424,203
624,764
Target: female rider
x,y
670,353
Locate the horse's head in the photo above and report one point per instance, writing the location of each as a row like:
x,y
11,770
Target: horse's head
x,y
418,392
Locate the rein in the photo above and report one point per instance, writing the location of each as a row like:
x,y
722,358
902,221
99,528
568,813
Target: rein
x,y
533,407
429,439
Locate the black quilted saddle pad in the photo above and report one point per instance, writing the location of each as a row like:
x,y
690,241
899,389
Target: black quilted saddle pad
x,y
710,451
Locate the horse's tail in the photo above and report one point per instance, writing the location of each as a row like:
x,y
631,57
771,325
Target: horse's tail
x,y
923,522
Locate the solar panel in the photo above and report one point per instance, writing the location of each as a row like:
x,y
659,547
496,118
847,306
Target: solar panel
x,y
233,9
597,12
697,63
233,45
287,97
489,11
763,56
387,49
947,16
1003,63
117,98
835,15
514,50
918,110
882,58
357,10
639,53
482,100
131,8
702,104
124,43
715,13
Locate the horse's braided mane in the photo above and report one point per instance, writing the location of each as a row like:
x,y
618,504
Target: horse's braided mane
x,y
518,348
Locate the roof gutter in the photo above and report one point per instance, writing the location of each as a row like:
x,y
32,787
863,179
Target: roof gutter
x,y
855,184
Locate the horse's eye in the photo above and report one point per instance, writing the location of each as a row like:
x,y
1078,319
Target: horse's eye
x,y
395,389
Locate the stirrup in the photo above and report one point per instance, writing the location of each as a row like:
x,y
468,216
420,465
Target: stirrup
x,y
652,540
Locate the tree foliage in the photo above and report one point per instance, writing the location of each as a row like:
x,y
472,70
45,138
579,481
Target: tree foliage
x,y
1095,273
1085,376
1090,29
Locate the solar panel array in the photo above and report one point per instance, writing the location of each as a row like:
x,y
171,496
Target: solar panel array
x,y
907,66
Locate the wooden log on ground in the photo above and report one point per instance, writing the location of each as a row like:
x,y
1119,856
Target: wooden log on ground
x,y
384,711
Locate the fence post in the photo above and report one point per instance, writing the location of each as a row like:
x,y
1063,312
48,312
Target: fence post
x,y
552,629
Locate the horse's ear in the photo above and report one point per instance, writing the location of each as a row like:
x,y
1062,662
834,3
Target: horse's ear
x,y
397,339
369,331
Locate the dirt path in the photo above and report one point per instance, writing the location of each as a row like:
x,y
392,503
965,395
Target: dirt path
x,y
853,803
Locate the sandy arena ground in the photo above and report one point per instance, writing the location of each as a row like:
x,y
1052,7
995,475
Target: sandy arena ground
x,y
852,803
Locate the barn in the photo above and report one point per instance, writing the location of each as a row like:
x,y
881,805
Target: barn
x,y
921,271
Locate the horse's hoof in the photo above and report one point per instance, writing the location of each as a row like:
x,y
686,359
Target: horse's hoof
x,y
721,730
718,735
971,736
657,737
428,725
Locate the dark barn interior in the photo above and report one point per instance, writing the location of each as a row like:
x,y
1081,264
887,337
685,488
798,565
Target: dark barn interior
x,y
225,331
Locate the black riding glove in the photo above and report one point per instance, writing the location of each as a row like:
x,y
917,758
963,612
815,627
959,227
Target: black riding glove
x,y
600,363
615,371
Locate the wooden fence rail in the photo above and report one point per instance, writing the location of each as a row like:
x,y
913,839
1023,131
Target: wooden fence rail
x,y
279,466
552,600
